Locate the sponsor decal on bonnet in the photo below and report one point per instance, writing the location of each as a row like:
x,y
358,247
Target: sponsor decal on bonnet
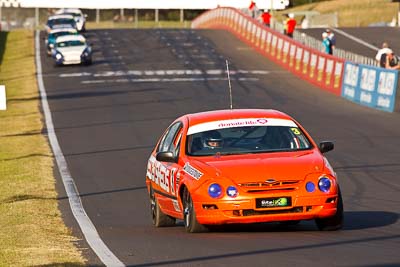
x,y
189,169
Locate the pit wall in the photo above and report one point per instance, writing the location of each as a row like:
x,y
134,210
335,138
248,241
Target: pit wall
x,y
362,84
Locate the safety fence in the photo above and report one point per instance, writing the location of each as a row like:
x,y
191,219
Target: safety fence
x,y
321,69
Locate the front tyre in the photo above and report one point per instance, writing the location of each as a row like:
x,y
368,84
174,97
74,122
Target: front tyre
x,y
336,221
189,215
160,219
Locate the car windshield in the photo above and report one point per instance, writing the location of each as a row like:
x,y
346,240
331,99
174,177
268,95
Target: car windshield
x,y
248,139
53,22
74,14
70,43
58,34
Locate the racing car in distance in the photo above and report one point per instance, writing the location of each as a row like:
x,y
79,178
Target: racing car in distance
x,y
60,21
57,32
72,49
241,166
79,17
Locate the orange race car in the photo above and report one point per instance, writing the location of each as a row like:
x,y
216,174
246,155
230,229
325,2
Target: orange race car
x,y
241,166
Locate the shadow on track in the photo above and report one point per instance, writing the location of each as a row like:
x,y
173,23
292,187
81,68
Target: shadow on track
x,y
265,252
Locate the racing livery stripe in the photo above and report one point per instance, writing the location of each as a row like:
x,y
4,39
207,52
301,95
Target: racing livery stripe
x,y
207,126
164,194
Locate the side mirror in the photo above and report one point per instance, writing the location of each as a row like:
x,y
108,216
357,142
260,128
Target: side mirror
x,y
326,146
166,156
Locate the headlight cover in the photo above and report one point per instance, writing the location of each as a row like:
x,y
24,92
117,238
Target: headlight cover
x,y
232,191
86,52
215,190
324,184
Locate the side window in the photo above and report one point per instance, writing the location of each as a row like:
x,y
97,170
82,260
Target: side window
x,y
167,142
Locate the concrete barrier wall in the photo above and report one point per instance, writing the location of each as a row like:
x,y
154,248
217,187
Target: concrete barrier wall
x,y
323,70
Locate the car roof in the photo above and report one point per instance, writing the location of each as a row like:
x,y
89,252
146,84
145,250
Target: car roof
x,y
67,38
61,16
229,114
63,29
68,10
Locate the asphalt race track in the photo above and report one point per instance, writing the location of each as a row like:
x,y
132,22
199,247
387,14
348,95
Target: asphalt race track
x,y
109,115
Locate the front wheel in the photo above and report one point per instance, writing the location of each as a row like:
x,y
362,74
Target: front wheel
x,y
336,221
189,215
160,219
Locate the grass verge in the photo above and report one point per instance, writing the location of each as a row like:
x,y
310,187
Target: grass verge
x,y
32,230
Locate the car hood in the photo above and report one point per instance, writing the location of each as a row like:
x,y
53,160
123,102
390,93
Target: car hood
x,y
261,167
65,51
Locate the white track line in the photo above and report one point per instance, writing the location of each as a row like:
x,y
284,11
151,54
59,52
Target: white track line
x,y
159,80
87,227
358,40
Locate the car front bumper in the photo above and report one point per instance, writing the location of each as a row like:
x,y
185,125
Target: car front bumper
x,y
244,210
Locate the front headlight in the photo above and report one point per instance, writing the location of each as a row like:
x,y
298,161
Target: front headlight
x,y
215,190
58,56
86,52
324,184
232,191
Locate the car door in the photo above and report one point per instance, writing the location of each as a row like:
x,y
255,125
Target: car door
x,y
164,174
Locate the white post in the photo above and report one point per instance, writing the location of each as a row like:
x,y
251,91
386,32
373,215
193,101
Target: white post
x,y
3,101
156,15
97,16
182,15
36,17
136,18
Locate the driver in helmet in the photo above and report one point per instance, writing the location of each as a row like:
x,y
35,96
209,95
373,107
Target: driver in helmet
x,y
212,139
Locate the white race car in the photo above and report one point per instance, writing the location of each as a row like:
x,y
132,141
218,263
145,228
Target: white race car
x,y
60,21
79,17
72,49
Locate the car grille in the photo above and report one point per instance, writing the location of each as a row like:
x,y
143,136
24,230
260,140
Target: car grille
x,y
255,187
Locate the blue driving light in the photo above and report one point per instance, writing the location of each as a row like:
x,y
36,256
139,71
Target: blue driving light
x,y
324,184
215,190
310,187
232,191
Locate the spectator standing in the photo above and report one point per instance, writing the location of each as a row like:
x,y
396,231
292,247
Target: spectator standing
x,y
290,25
326,42
392,61
252,9
266,18
332,38
382,54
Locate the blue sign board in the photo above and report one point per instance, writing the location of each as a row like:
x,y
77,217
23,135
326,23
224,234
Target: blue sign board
x,y
370,86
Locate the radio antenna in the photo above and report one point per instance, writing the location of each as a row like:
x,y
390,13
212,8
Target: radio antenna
x,y
229,82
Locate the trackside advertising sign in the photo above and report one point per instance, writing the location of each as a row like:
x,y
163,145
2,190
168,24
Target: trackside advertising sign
x,y
370,86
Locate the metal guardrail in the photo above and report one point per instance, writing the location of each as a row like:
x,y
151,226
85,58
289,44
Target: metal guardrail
x,y
317,44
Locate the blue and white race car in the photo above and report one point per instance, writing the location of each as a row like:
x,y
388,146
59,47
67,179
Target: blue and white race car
x,y
72,49
55,33
79,17
60,21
